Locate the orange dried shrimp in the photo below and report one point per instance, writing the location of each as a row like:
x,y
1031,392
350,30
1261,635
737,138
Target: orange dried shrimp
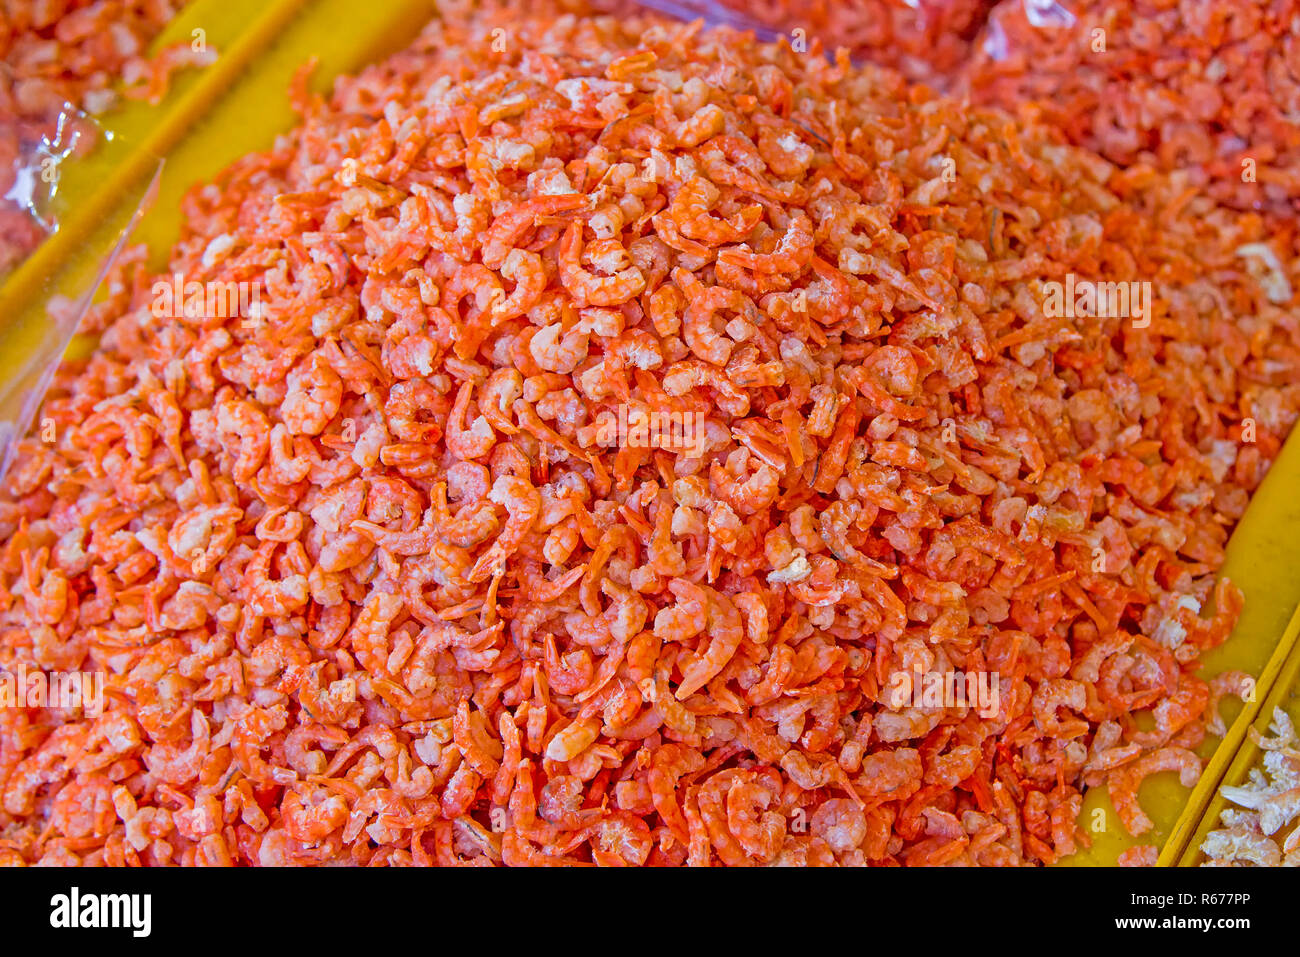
x,y
1208,87
368,586
55,53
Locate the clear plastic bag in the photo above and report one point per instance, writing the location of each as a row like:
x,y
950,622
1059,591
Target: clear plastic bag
x,y
30,183
33,362
63,68
1046,14
712,13
61,65
926,40
44,304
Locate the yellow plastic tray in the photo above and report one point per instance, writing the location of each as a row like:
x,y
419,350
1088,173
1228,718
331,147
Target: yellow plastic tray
x,y
1262,556
99,194
210,118
1202,816
240,104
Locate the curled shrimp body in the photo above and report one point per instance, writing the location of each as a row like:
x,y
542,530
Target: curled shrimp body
x,y
681,377
1125,781
525,270
273,597
686,618
690,210
312,814
510,227
179,766
315,391
49,763
704,303
726,631
468,442
478,284
709,120
793,252
474,523
413,410
84,808
368,637
497,399
558,350
249,432
588,288
750,495
522,503
760,831
620,840
299,753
